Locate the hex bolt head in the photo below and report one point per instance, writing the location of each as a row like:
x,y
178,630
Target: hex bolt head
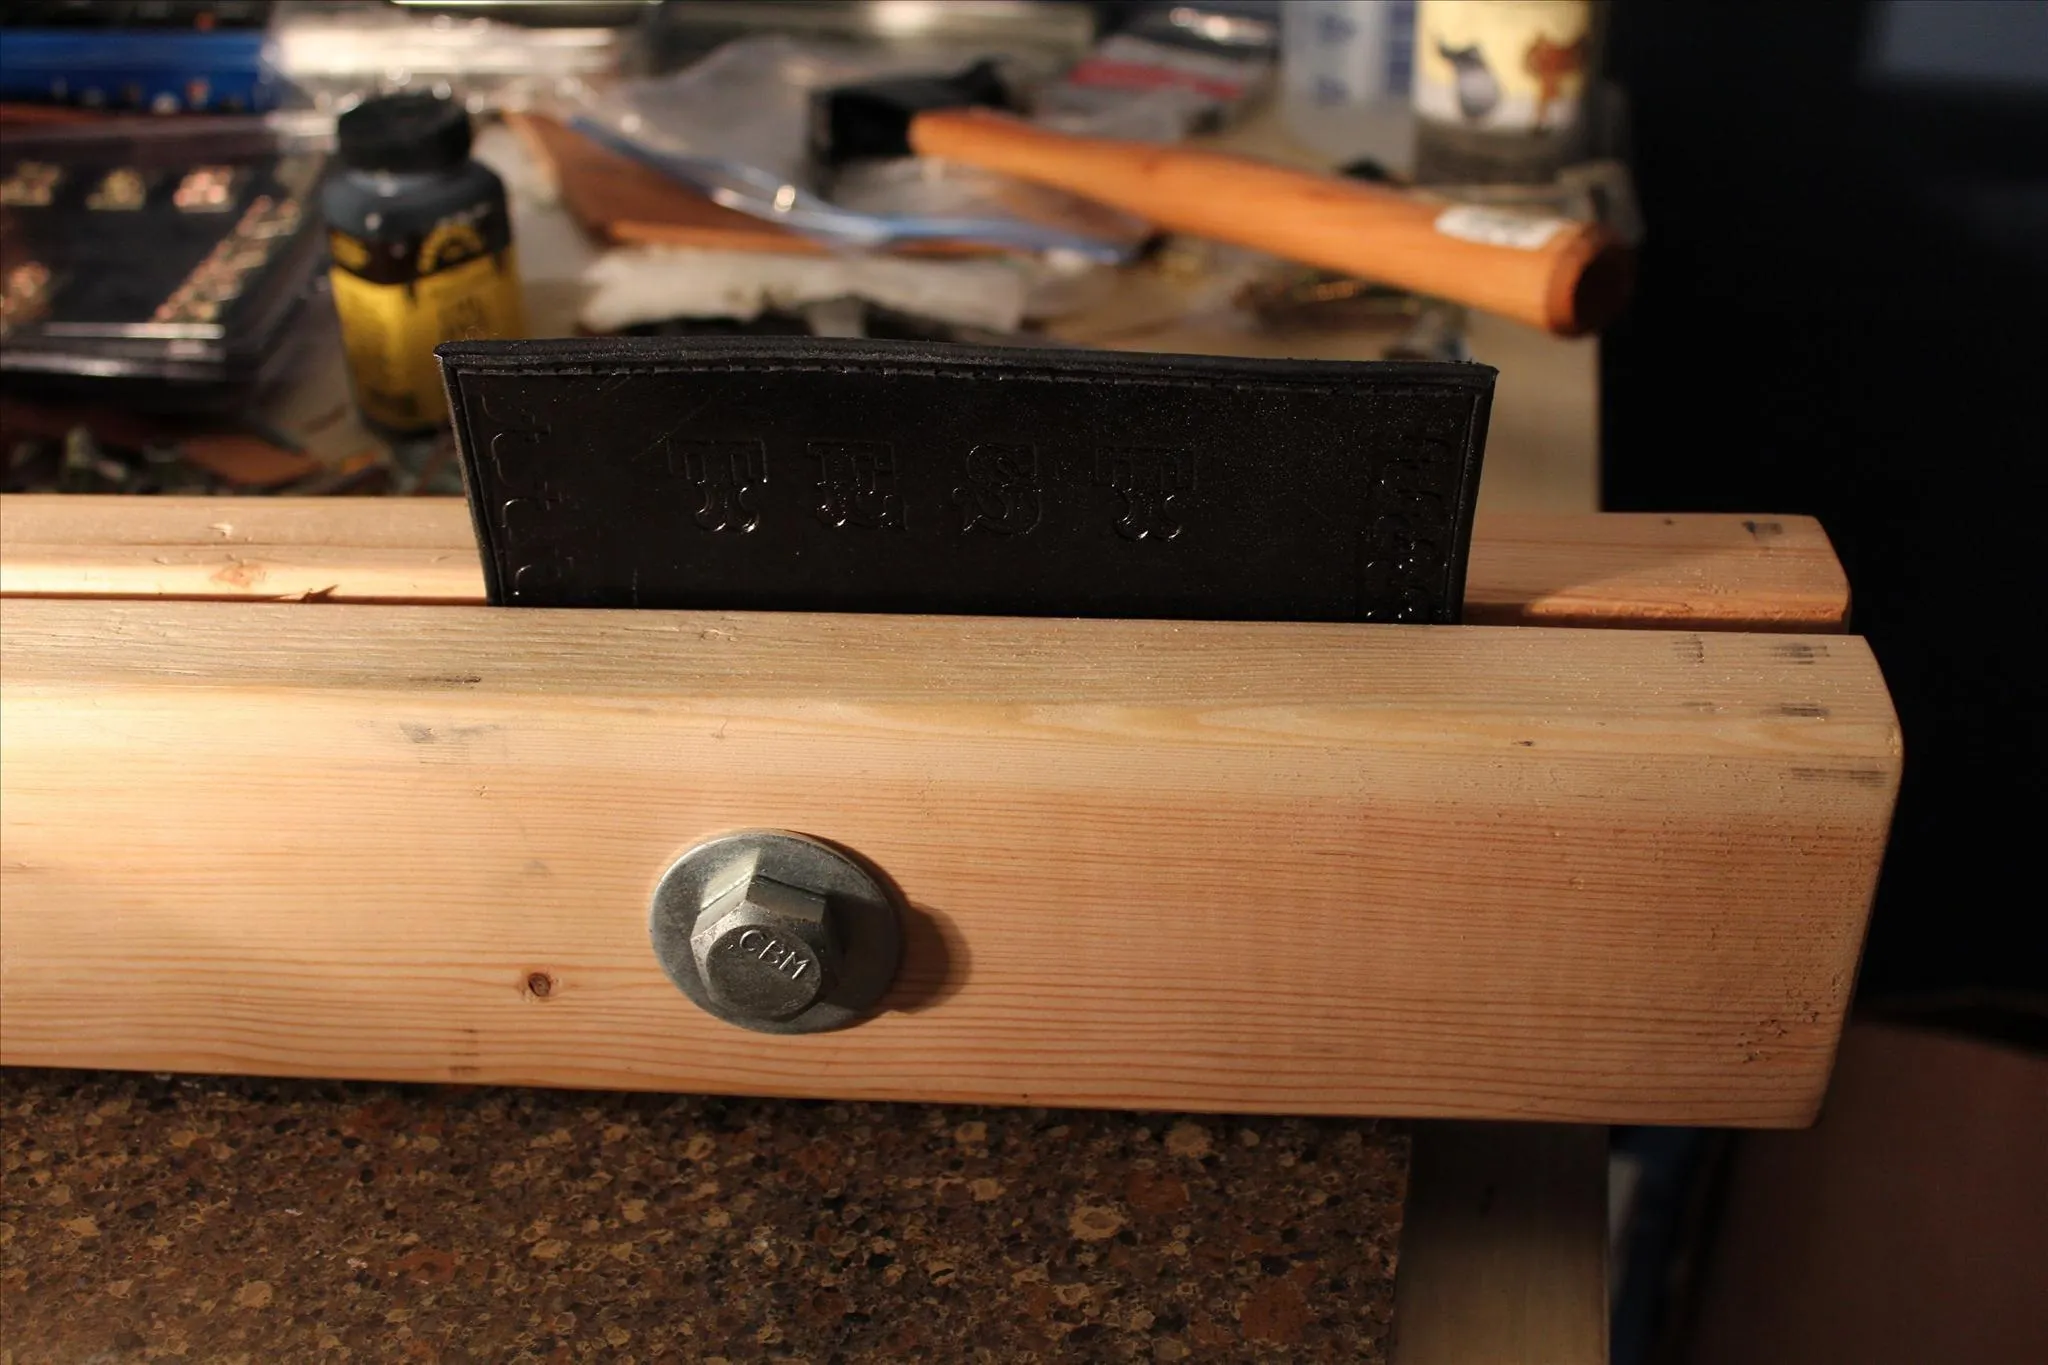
x,y
777,932
765,950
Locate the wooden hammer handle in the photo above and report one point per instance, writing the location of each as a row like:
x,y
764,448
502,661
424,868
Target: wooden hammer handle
x,y
1565,277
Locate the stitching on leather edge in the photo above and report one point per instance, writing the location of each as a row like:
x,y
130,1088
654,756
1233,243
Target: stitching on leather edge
x,y
933,372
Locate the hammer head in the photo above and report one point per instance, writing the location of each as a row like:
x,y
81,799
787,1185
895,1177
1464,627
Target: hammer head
x,y
872,118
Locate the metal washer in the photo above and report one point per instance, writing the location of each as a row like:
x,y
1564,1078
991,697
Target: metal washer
x,y
866,915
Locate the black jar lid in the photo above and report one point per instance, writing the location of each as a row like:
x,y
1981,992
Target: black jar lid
x,y
412,132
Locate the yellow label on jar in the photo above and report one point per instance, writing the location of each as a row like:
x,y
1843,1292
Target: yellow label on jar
x,y
390,330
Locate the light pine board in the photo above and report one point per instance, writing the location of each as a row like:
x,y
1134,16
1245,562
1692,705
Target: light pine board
x,y
1699,571
1603,876
1504,1246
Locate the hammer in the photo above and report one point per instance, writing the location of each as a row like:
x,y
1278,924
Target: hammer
x,y
1566,277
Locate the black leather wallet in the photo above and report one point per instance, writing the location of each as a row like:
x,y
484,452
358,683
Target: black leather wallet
x,y
797,474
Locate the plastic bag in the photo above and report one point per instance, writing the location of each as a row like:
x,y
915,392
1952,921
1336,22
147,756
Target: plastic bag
x,y
735,125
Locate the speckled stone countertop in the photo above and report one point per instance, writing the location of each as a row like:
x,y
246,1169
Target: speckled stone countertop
x,y
203,1219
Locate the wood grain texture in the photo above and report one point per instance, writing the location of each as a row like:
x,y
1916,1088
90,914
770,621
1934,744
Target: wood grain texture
x,y
1603,876
414,550
1705,572
1700,571
1504,1246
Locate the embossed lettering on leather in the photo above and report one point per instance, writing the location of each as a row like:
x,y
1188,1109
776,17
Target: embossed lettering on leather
x,y
768,473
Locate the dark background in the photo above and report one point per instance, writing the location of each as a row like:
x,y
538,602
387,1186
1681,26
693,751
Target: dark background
x,y
1841,313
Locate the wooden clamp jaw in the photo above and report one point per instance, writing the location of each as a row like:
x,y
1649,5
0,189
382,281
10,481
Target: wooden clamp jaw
x,y
1594,875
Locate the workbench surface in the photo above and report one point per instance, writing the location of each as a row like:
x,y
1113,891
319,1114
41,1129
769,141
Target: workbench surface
x,y
205,1219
